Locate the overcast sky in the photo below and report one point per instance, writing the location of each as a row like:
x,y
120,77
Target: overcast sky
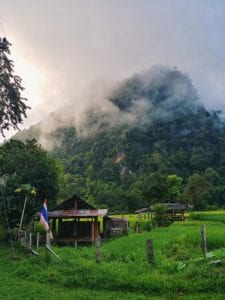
x,y
61,47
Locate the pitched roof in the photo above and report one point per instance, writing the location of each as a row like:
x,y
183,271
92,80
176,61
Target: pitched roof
x,y
145,209
73,203
75,207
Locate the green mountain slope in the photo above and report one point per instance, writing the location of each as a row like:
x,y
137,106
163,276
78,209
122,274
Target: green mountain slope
x,y
157,127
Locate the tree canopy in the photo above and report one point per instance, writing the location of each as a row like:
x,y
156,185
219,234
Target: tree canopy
x,y
12,104
27,164
173,149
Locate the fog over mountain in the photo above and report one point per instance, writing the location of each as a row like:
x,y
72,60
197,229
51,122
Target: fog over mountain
x,y
118,150
69,46
159,94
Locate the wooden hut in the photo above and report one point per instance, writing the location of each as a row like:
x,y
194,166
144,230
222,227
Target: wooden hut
x,y
75,221
173,211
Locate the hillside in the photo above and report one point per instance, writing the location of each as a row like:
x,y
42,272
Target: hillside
x,y
154,125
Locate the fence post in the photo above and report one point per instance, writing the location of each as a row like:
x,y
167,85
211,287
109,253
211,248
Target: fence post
x,y
38,239
97,247
48,245
203,240
137,227
25,238
150,251
30,240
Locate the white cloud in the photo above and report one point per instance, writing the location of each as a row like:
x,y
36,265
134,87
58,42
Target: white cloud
x,y
71,43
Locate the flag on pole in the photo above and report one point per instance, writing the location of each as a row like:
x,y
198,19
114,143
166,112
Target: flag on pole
x,y
44,216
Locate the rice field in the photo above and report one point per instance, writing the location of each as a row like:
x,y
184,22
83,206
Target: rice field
x,y
179,270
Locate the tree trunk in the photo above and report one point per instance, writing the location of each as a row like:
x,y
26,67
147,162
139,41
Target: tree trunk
x,y
22,215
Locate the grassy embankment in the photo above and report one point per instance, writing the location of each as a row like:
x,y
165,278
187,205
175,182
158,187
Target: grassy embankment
x,y
179,271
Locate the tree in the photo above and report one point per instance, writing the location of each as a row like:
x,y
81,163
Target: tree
x,y
196,191
12,105
28,190
152,187
174,187
28,163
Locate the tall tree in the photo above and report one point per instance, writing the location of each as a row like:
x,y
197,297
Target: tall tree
x,y
12,104
196,191
27,163
174,183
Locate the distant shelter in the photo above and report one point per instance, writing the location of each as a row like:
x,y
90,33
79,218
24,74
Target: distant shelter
x,y
173,211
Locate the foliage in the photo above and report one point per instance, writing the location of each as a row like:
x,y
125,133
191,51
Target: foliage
x,y
124,270
27,165
162,144
27,189
12,105
174,187
196,190
161,218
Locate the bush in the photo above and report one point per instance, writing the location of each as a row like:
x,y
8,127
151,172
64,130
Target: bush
x,y
39,228
140,226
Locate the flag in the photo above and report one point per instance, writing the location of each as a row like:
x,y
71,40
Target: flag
x,y
44,216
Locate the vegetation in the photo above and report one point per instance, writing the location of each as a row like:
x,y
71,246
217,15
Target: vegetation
x,y
218,216
174,151
12,104
22,167
180,271
158,144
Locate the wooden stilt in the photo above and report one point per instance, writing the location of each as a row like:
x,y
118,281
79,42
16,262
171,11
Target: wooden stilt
x,y
92,232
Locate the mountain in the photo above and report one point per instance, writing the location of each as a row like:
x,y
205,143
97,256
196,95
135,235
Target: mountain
x,y
152,125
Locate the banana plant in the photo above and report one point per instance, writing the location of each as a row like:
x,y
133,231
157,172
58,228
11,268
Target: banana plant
x,y
28,190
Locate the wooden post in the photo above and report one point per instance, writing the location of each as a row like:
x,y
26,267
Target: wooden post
x,y
48,237
203,239
137,229
30,240
38,239
98,251
92,232
25,238
150,252
48,246
22,215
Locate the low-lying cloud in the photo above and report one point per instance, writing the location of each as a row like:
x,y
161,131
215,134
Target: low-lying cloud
x,y
158,93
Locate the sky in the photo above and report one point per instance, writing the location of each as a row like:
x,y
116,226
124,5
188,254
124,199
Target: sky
x,y
61,48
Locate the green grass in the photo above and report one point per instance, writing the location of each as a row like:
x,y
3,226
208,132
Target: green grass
x,y
217,216
179,270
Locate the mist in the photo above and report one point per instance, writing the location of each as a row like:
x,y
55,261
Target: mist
x,y
74,43
159,93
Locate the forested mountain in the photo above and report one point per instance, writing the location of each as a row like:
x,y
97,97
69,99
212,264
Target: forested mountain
x,y
155,126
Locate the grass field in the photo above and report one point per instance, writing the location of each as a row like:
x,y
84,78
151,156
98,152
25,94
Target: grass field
x,y
179,270
218,216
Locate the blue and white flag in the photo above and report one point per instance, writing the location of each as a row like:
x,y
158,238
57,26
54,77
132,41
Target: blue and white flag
x,y
44,216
